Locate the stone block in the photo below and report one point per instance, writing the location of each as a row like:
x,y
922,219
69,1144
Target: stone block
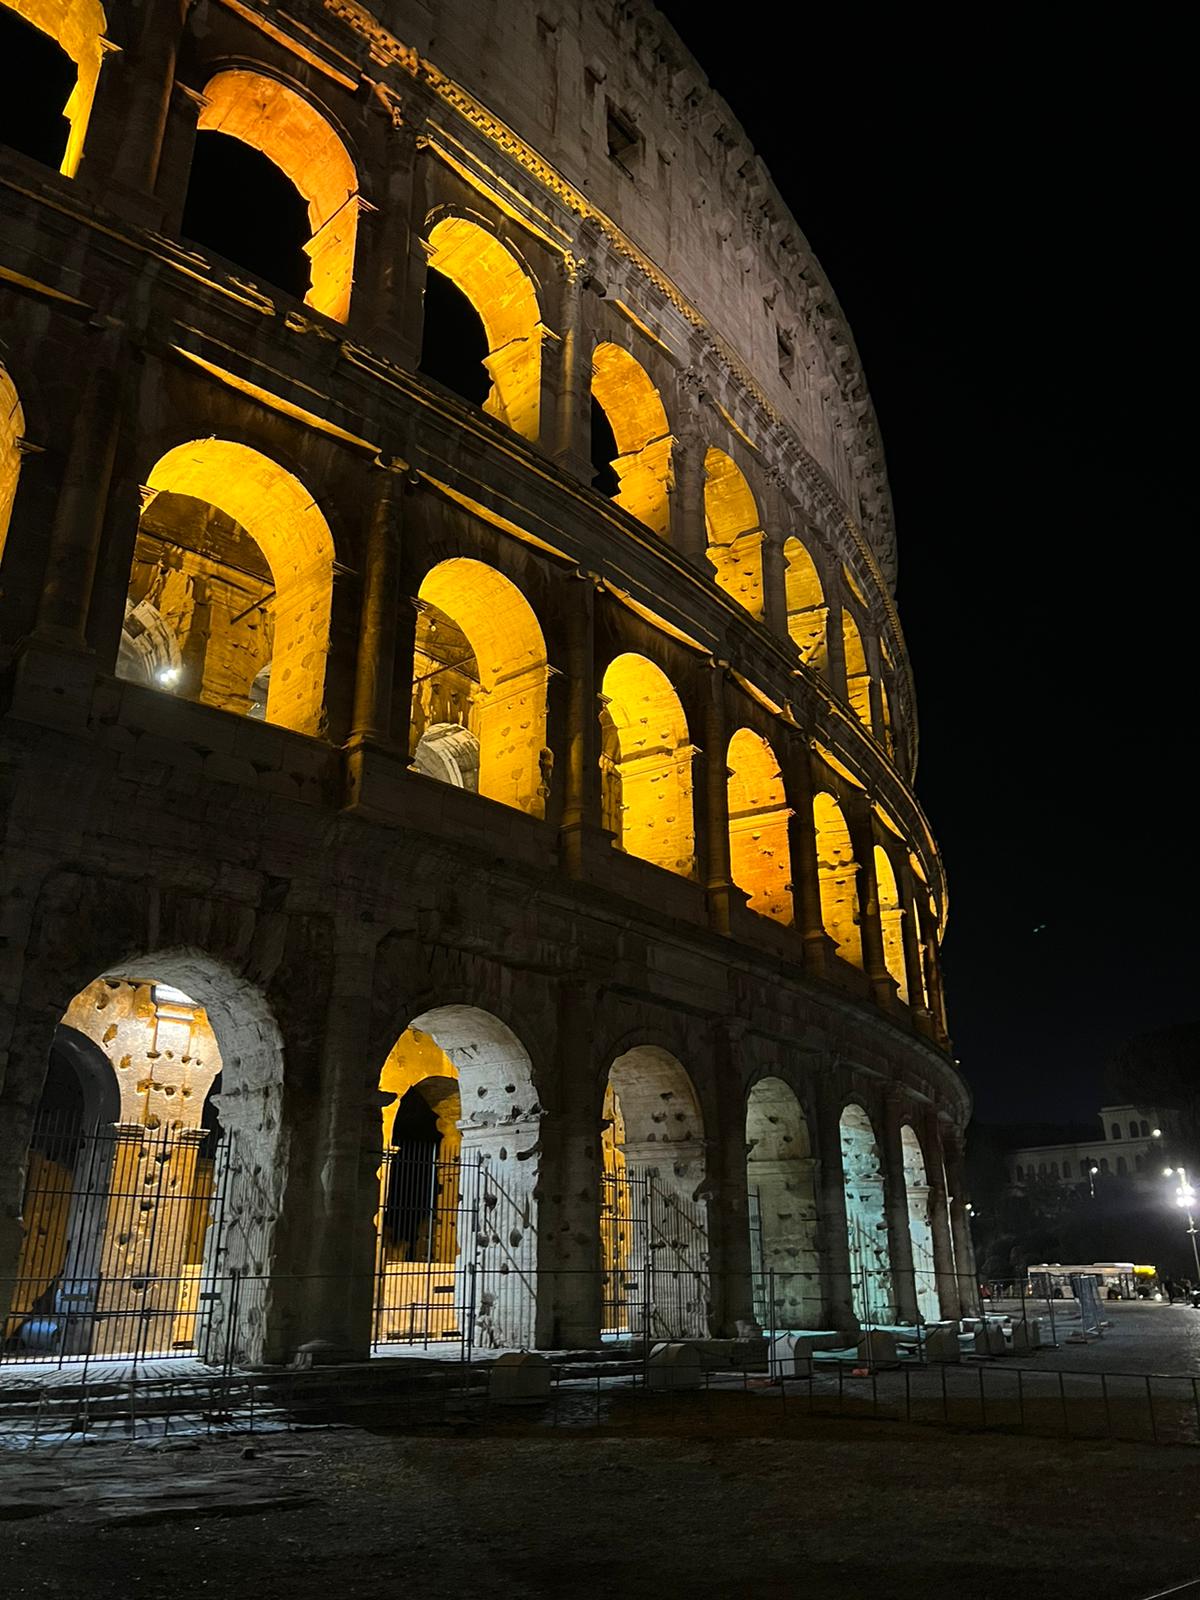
x,y
941,1343
1026,1336
673,1366
519,1377
786,1361
878,1348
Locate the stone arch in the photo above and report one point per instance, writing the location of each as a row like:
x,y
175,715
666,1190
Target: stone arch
x,y
502,292
457,1234
480,669
759,858
654,1218
780,1182
291,132
891,920
132,1184
858,673
623,389
807,612
837,871
234,564
12,429
646,765
866,1219
920,1227
77,26
734,529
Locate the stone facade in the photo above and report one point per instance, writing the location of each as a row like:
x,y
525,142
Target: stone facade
x,y
685,840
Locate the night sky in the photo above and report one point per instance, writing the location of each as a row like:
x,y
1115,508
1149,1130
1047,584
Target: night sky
x,y
1002,216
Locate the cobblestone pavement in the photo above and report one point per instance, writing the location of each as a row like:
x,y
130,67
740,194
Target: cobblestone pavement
x,y
1142,1337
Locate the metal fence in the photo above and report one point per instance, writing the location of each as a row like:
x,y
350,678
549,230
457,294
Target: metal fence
x,y
655,1247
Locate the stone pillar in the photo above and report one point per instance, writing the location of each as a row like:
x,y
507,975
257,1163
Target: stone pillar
x,y
566,378
689,532
581,801
895,1200
933,974
376,659
716,876
776,515
175,161
913,966
802,847
837,1290
960,1219
570,1267
862,836
390,259
732,1294
939,1223
835,639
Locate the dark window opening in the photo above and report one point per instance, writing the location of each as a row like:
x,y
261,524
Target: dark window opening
x,y
624,140
604,452
454,341
412,1174
36,80
242,206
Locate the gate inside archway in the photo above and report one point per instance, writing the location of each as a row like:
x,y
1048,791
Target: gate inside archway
x,y
783,1209
653,1225
456,1228
866,1221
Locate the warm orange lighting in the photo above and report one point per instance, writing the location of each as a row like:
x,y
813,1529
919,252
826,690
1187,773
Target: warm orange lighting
x,y
647,766
12,427
78,27
735,535
806,609
858,675
759,859
838,873
891,918
292,133
500,289
635,412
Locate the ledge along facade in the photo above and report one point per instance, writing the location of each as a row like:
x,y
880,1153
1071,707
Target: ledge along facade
x,y
462,875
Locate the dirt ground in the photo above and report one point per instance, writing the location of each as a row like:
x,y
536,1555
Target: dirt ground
x,y
724,1500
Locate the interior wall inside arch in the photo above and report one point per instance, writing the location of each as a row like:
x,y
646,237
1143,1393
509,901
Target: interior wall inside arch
x,y
916,1184
77,27
891,920
641,433
866,1221
807,613
759,857
837,872
779,1178
858,675
734,530
646,766
12,428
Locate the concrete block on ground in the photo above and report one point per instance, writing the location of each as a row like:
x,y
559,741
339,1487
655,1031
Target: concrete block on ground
x,y
518,1377
941,1343
877,1348
786,1361
673,1366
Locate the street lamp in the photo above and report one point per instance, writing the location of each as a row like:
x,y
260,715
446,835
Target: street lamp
x,y
1185,1199
1092,1171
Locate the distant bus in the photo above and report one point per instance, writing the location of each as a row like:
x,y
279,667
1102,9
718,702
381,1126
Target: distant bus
x,y
1054,1281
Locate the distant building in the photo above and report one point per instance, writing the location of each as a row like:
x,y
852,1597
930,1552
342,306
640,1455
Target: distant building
x,y
1130,1143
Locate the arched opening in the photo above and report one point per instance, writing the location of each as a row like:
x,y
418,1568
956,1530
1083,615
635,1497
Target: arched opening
x,y
759,859
735,534
641,437
479,686
807,613
916,1185
922,995
12,428
456,1229
454,343
858,676
837,871
274,188
653,1221
499,289
131,1171
232,575
885,711
866,1223
50,57
646,766
891,920
783,1209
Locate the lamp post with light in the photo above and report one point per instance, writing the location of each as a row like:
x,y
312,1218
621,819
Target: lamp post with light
x,y
1185,1199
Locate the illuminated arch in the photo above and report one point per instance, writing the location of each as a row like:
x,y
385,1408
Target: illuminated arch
x,y
647,766
891,918
858,674
807,612
265,502
866,1222
499,288
286,128
916,1186
481,666
783,1208
838,873
885,707
78,27
635,413
12,428
759,859
735,533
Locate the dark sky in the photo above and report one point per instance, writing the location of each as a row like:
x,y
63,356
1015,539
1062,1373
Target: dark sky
x,y
1002,216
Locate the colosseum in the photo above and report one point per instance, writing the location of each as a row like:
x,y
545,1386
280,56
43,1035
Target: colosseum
x,y
462,878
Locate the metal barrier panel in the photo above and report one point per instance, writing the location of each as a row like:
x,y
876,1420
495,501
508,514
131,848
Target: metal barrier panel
x,y
655,1244
123,1232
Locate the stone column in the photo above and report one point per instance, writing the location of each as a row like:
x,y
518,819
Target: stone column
x,y
390,260
689,533
729,1211
175,161
960,1218
717,879
802,848
834,637
566,377
913,966
939,1224
776,515
895,1200
581,801
837,1291
570,1267
933,975
862,836
376,659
